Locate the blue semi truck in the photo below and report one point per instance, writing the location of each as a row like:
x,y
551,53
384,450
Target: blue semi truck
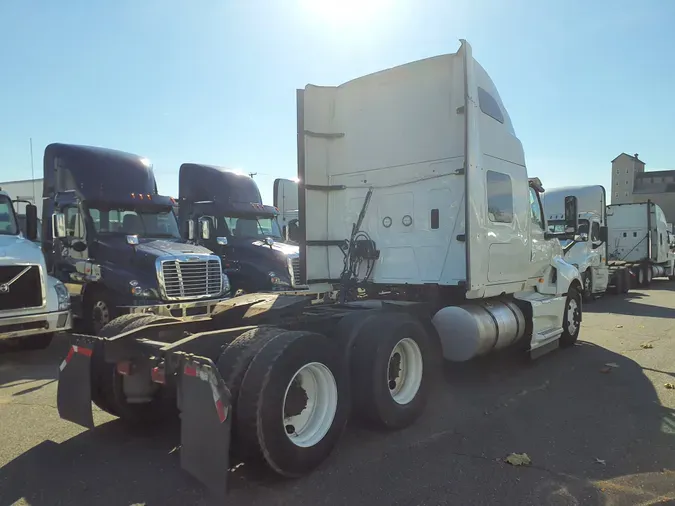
x,y
114,240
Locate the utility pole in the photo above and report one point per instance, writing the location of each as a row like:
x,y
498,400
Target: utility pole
x,y
32,170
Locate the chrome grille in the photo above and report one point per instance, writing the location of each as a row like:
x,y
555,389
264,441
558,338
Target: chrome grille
x,y
295,263
191,279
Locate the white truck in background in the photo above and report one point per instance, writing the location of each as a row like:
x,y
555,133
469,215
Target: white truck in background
x,y
416,206
589,254
33,305
638,235
285,198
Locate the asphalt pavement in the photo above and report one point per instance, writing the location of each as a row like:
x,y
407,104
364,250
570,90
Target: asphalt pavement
x,y
596,434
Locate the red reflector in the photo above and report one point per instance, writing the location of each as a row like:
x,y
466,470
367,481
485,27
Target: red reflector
x,y
158,375
124,368
190,371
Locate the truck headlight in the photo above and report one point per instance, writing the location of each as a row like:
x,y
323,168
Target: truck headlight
x,y
276,280
62,296
226,283
144,293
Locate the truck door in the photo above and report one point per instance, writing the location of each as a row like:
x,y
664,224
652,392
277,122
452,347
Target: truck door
x,y
541,252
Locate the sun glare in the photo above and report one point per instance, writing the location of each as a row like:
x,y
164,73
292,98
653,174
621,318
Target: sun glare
x,y
346,11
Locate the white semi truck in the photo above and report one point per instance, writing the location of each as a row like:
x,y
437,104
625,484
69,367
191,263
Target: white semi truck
x,y
416,206
590,253
33,305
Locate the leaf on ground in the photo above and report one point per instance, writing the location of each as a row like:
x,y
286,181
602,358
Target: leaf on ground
x,y
647,346
600,461
669,386
612,365
518,459
619,326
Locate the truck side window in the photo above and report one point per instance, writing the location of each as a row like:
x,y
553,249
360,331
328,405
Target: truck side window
x,y
489,105
500,197
535,209
595,232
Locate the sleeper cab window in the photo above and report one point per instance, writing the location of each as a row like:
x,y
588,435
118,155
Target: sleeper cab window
x,y
489,105
499,197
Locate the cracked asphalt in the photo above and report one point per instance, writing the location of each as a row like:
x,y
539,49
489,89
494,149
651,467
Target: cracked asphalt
x,y
596,434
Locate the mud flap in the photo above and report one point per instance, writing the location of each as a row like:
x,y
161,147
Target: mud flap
x,y
73,398
205,404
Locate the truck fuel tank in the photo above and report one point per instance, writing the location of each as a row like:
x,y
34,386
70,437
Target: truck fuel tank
x,y
471,330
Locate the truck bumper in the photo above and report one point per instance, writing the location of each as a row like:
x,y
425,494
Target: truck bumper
x,y
29,325
177,309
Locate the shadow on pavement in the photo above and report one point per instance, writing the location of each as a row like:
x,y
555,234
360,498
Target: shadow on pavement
x,y
31,367
594,439
629,304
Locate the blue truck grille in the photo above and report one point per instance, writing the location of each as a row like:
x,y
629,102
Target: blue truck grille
x,y
191,279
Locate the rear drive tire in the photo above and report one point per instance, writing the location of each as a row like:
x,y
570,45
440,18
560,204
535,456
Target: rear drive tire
x,y
619,282
390,371
234,362
292,407
648,274
115,327
571,319
111,385
627,280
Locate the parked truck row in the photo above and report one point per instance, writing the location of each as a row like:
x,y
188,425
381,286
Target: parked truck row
x,y
414,206
620,245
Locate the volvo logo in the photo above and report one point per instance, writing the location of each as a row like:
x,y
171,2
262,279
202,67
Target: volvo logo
x,y
4,288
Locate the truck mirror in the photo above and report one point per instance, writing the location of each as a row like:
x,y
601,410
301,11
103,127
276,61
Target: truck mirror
x,y
58,225
205,227
31,222
571,215
294,230
191,230
603,234
79,246
222,241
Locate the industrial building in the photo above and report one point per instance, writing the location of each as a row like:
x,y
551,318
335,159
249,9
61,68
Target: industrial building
x,y
26,189
631,183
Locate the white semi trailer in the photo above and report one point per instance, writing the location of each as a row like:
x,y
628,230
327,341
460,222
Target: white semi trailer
x,y
638,235
416,206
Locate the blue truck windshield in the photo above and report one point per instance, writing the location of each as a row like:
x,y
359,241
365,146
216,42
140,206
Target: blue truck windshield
x,y
8,224
159,223
253,227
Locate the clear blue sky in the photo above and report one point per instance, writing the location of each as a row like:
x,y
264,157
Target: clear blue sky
x,y
214,81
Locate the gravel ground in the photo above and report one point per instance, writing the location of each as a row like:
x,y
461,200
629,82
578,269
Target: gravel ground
x,y
597,435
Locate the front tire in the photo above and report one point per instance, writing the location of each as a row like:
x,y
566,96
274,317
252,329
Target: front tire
x,y
292,405
571,318
587,279
99,311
